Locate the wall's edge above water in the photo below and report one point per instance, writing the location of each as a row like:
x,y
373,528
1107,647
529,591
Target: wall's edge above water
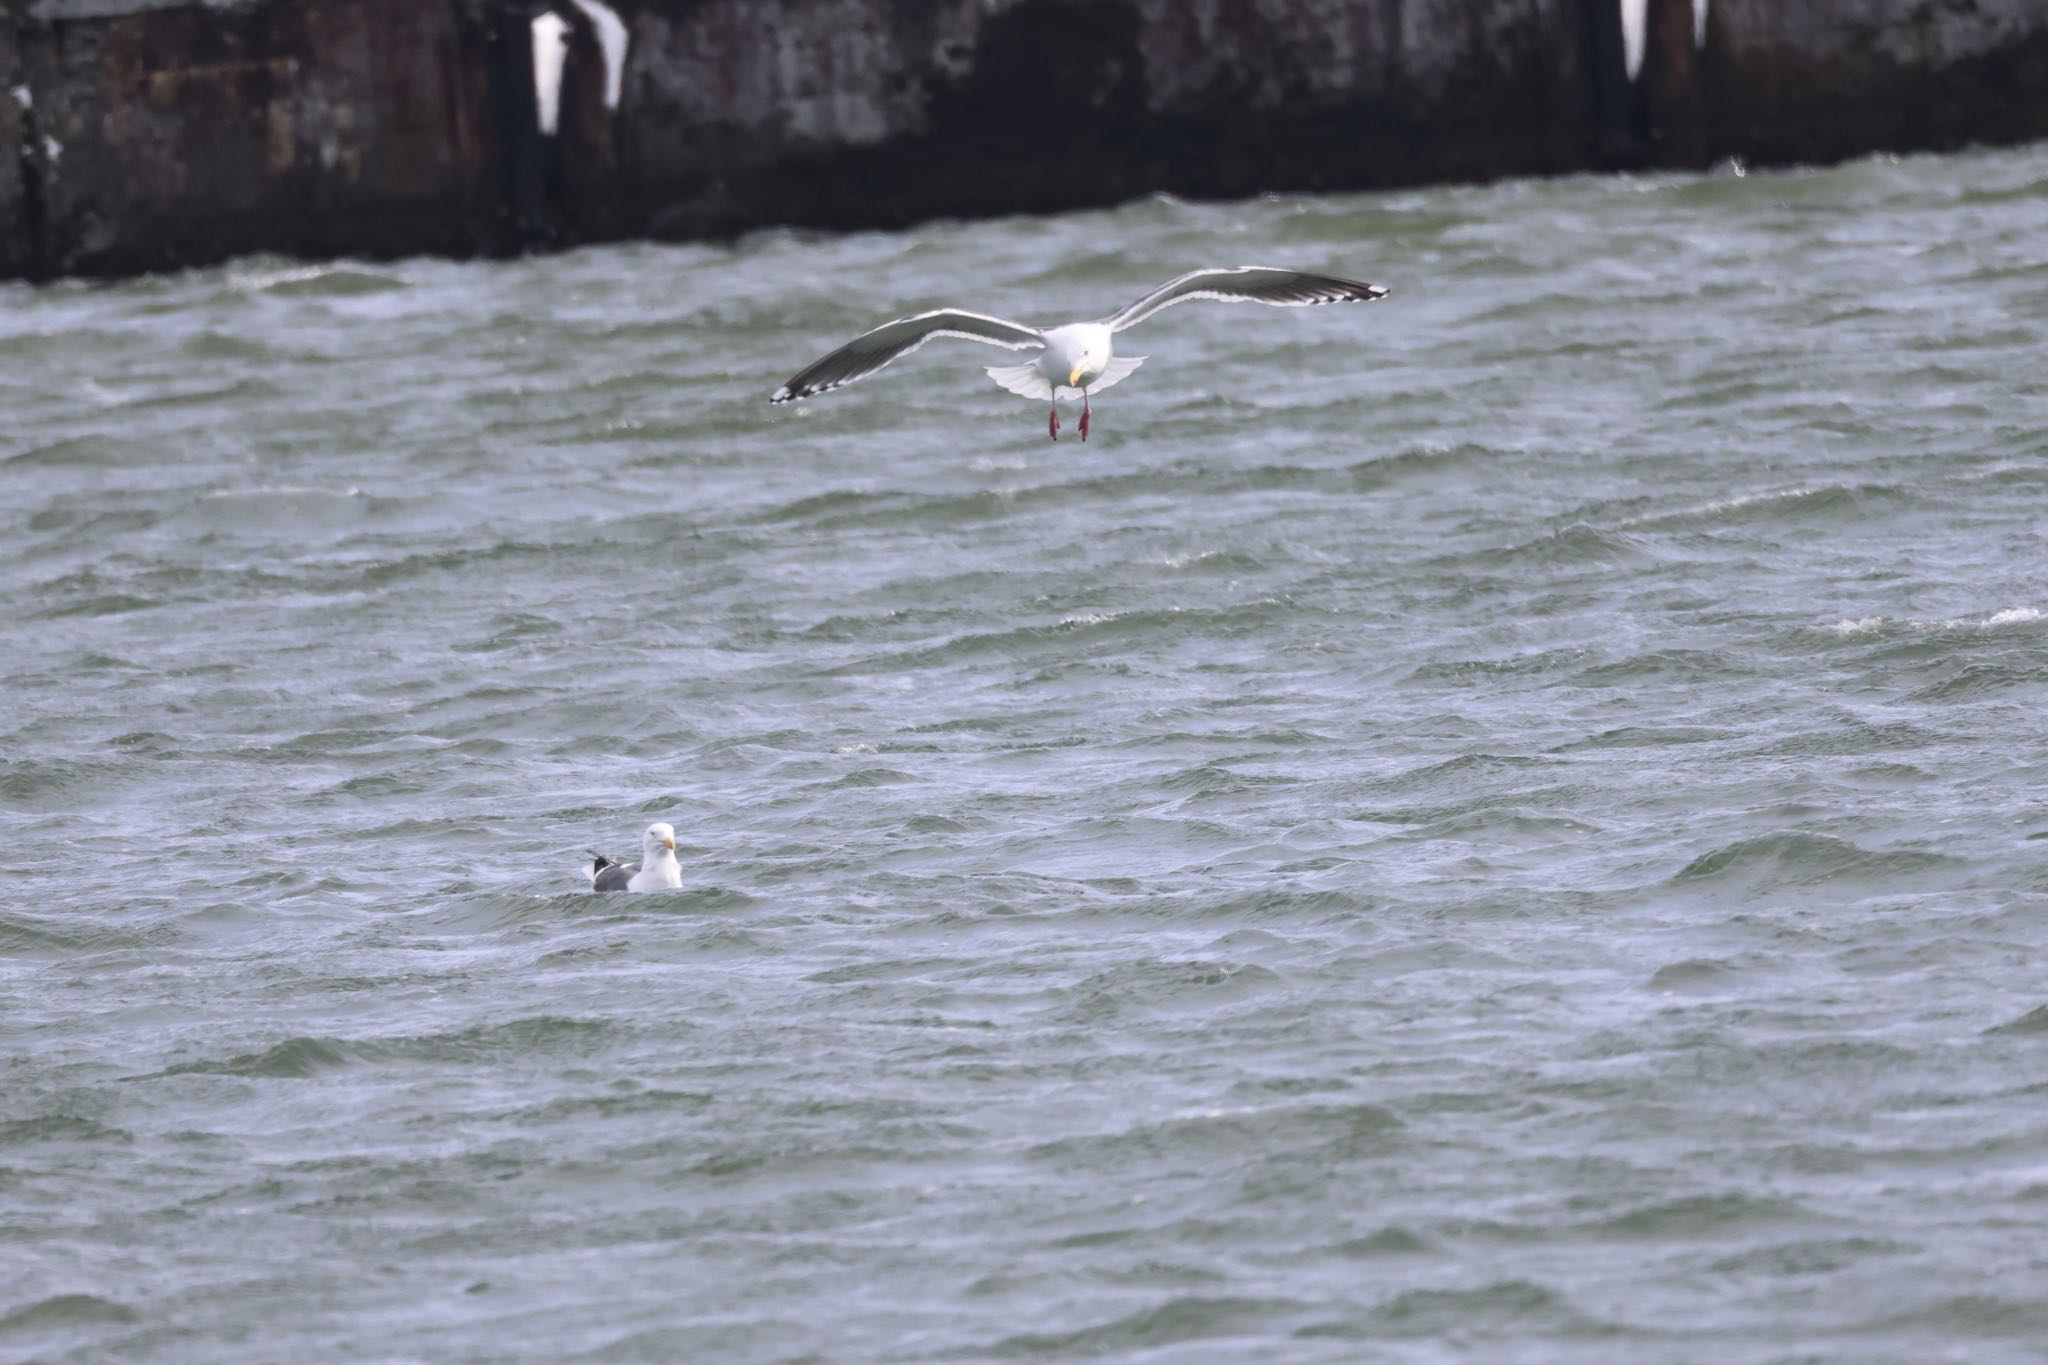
x,y
139,134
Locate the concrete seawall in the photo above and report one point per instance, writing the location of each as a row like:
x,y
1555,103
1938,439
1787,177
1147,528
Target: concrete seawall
x,y
137,135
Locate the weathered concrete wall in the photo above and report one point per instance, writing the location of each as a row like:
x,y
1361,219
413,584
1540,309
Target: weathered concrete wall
x,y
852,112
1783,81
14,241
162,132
1935,73
186,133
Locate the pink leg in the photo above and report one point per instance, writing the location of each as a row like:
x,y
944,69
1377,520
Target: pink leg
x,y
1052,424
1084,414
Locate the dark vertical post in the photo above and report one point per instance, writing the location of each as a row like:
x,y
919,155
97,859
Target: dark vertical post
x,y
1617,111
29,156
20,186
1674,111
590,193
523,171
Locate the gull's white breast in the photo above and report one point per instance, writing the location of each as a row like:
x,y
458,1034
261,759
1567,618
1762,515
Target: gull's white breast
x,y
1064,347
659,871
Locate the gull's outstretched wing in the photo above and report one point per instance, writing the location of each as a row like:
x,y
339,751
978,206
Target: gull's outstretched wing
x,y
1246,284
870,351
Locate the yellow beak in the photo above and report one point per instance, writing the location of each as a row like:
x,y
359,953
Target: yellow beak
x,y
669,844
1074,379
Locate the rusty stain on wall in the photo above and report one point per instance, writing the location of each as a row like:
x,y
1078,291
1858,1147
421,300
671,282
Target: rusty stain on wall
x,y
282,141
167,87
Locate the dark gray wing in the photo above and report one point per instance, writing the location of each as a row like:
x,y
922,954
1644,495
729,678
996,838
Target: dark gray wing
x,y
608,874
870,351
1246,284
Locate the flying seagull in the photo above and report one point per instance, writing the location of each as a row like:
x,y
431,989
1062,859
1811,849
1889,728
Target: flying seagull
x,y
1079,357
656,870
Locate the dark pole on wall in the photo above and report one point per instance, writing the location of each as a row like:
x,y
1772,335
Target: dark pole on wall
x,y
24,226
523,170
1617,107
591,200
1674,112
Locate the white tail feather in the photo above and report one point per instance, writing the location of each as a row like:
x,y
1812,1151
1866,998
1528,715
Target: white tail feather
x,y
1026,382
1118,368
1023,380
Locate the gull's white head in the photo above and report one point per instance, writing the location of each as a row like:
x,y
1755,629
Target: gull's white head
x,y
658,840
1090,358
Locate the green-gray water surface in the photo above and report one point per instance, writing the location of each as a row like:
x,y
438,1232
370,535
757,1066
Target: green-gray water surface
x,y
1502,825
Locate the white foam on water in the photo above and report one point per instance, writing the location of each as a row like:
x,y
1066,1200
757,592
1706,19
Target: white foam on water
x,y
2011,616
23,96
1720,505
281,490
256,281
250,281
1717,506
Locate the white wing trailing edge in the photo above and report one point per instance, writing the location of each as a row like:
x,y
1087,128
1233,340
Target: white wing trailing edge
x,y
870,351
1246,284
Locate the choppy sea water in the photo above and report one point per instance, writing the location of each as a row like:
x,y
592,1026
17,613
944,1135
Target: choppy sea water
x,y
1507,824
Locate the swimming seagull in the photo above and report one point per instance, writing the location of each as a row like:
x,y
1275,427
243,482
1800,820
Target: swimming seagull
x,y
656,870
1079,357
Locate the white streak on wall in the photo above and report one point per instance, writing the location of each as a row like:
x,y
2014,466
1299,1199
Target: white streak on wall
x,y
1632,20
550,54
1699,23
611,40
